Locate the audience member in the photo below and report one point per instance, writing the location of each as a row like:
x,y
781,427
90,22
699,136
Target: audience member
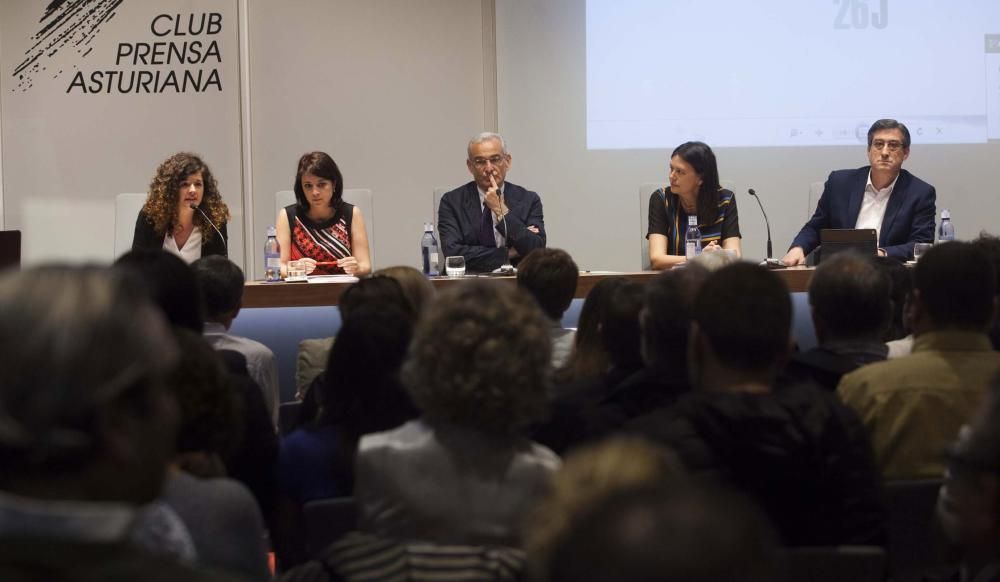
x,y
588,358
173,286
462,473
360,394
87,426
914,406
550,276
221,514
969,504
577,416
849,298
796,450
221,282
990,245
588,475
694,533
417,288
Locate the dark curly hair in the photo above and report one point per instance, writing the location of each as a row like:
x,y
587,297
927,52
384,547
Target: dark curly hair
x,y
161,205
479,358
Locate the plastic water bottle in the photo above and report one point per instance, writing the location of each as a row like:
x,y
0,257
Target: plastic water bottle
x,y
692,238
429,251
272,256
946,232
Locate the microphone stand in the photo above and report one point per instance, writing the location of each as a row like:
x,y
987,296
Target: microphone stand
x,y
193,206
770,263
506,268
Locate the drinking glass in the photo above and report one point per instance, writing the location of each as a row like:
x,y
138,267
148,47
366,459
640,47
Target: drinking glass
x,y
296,269
454,266
919,249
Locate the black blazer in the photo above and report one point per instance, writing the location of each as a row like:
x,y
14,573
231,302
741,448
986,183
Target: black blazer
x,y
459,216
146,237
909,216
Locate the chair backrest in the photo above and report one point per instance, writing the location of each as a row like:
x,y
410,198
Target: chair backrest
x,y
127,207
360,197
835,564
10,248
327,520
815,191
915,542
645,191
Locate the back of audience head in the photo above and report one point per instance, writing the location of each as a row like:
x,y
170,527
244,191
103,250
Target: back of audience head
x,y
84,413
588,475
221,283
990,245
742,319
362,391
849,297
550,276
171,284
665,319
374,291
479,358
681,531
954,288
620,333
589,358
970,503
900,286
211,415
416,287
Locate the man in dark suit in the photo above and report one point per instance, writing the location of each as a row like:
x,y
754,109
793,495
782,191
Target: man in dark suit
x,y
489,220
897,204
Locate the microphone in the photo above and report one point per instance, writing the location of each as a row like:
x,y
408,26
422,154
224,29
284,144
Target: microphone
x,y
194,206
770,263
506,268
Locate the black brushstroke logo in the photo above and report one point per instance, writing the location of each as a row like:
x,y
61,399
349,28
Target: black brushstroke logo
x,y
65,25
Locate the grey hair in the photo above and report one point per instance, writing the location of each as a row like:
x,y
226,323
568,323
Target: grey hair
x,y
487,136
714,261
72,340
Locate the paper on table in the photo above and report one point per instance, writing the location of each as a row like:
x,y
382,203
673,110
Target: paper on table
x,y
332,279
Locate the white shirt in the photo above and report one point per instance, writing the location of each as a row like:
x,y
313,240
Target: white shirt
x,y
191,251
261,363
873,206
482,204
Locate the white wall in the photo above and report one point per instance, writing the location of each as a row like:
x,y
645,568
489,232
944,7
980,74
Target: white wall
x,y
391,89
67,153
591,201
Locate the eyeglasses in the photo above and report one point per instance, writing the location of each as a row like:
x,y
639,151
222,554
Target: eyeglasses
x,y
892,145
495,160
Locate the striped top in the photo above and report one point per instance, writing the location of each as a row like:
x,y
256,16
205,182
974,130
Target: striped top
x,y
358,556
667,217
325,241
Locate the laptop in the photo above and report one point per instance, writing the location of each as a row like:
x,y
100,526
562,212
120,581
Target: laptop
x,y
10,249
837,240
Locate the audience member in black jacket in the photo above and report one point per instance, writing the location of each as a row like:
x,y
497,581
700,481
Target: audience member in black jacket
x,y
575,417
849,297
800,454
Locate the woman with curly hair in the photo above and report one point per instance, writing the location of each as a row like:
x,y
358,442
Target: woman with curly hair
x,y
464,473
320,228
183,210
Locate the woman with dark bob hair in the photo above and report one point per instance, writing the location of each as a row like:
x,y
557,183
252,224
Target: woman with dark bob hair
x,y
694,191
320,228
463,473
183,205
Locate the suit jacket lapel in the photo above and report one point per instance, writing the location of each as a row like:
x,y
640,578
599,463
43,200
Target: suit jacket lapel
x,y
896,200
857,195
473,212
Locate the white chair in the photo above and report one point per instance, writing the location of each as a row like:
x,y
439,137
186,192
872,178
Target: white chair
x,y
360,197
645,191
127,207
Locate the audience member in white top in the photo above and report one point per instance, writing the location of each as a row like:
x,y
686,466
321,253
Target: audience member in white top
x,y
221,282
